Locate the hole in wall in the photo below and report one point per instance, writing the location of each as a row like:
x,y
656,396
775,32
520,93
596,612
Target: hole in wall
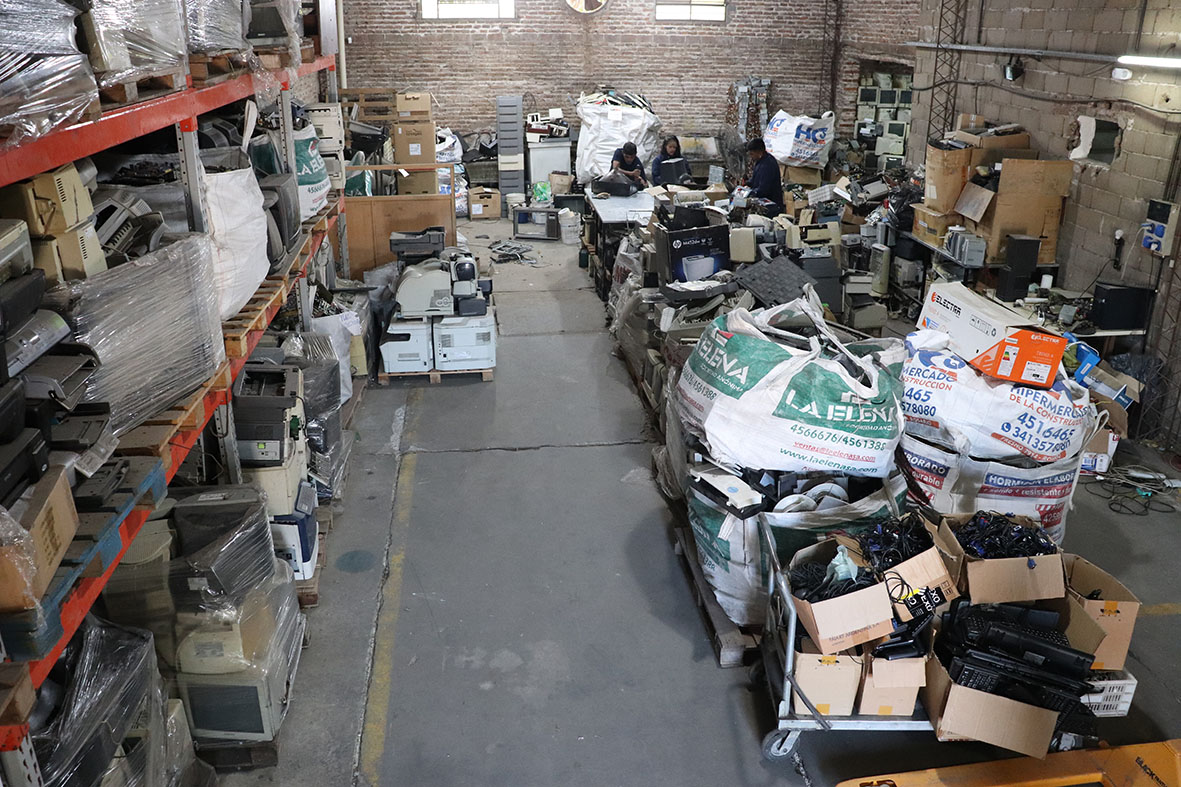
x,y
1098,140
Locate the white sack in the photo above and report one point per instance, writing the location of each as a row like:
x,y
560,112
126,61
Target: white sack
x,y
605,129
800,141
310,173
949,403
238,228
960,484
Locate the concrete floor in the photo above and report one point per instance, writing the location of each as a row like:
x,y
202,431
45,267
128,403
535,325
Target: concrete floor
x,y
502,606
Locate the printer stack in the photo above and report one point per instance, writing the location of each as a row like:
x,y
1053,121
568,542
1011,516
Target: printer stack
x,y
272,444
443,321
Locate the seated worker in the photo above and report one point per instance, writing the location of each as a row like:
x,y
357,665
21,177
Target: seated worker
x,y
764,181
628,163
669,149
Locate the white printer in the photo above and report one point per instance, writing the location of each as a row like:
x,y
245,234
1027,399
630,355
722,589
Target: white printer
x,y
297,535
407,347
465,343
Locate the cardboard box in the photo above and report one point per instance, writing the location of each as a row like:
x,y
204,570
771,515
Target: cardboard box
x,y
1115,611
947,172
716,193
964,120
998,580
960,713
931,225
1028,201
890,688
416,104
483,203
414,142
74,254
1018,140
1098,453
1097,375
50,203
744,246
51,520
803,176
845,621
695,253
828,681
418,182
991,337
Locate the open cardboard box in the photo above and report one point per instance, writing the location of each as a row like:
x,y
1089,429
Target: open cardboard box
x,y
926,571
960,713
998,580
890,688
843,622
829,681
1028,201
1114,611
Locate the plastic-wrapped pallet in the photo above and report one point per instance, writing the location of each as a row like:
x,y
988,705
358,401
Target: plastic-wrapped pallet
x,y
129,40
109,687
181,766
45,81
153,323
314,353
215,25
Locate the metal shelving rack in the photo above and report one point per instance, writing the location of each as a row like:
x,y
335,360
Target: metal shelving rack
x,y
18,761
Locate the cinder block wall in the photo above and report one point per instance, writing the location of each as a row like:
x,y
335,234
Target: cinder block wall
x,y
550,54
1103,198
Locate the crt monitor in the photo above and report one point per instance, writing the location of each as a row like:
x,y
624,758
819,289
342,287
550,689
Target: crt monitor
x,y
896,128
905,97
867,95
674,170
887,97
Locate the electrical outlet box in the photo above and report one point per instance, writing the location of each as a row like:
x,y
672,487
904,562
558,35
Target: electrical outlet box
x,y
1160,227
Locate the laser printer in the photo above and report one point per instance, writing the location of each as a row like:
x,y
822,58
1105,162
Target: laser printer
x,y
268,412
16,252
297,535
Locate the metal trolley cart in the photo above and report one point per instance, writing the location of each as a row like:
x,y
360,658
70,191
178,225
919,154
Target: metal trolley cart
x,y
778,652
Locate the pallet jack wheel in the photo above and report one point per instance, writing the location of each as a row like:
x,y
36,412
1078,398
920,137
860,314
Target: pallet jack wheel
x,y
778,745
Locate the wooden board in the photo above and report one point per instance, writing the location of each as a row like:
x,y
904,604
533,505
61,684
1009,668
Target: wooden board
x,y
349,410
17,695
211,68
436,376
733,646
372,219
151,85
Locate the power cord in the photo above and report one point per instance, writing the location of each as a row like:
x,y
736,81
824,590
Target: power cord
x,y
1134,489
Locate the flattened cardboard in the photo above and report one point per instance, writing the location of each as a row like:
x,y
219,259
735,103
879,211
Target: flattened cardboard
x,y
998,580
974,201
830,682
1115,611
845,621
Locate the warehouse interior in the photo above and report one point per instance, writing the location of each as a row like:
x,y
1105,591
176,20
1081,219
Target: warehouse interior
x,y
587,392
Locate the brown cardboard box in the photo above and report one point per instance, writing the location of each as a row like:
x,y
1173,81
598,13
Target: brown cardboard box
x,y
804,176
74,254
716,193
51,520
1018,140
411,183
960,713
926,571
829,682
1028,201
483,203
17,695
1115,611
414,142
845,621
964,120
931,225
947,172
890,688
998,580
413,104
50,203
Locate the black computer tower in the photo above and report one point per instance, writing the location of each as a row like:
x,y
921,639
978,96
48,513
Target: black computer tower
x,y
1121,308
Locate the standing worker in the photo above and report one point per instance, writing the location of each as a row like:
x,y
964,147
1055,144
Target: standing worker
x,y
627,162
764,181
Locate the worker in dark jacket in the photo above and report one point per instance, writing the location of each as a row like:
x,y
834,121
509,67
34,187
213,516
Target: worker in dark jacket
x,y
669,149
764,181
628,163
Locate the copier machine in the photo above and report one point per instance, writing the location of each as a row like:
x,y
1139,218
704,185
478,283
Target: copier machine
x,y
272,441
438,281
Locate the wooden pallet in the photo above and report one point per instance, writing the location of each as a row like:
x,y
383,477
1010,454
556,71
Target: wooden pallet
x,y
308,590
154,437
252,317
733,645
151,85
276,57
214,67
31,634
240,756
348,411
436,375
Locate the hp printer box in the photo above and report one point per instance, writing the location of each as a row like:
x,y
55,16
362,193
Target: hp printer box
x,y
695,253
991,337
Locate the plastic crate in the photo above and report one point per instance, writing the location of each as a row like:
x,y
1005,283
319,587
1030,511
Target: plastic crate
x,y
1116,698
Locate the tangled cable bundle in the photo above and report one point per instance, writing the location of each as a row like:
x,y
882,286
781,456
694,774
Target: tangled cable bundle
x,y
809,581
895,541
991,535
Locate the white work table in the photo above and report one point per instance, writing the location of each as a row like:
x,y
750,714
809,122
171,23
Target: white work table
x,y
622,210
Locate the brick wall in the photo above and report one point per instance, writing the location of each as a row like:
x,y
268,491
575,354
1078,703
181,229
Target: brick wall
x,y
1103,198
550,54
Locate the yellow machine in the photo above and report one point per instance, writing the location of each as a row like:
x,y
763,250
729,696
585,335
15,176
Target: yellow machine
x,y
1147,764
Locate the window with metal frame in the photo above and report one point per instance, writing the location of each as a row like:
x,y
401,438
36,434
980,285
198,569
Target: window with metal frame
x,y
691,10
469,9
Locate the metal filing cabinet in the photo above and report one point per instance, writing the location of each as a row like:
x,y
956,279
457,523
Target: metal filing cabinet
x,y
510,139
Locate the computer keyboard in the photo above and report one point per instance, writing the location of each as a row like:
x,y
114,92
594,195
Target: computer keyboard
x,y
977,624
773,282
974,677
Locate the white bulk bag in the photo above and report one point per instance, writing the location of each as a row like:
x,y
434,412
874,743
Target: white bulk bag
x,y
605,129
800,141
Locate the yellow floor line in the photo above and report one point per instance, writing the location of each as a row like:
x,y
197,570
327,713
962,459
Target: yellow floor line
x,y
377,703
1161,609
